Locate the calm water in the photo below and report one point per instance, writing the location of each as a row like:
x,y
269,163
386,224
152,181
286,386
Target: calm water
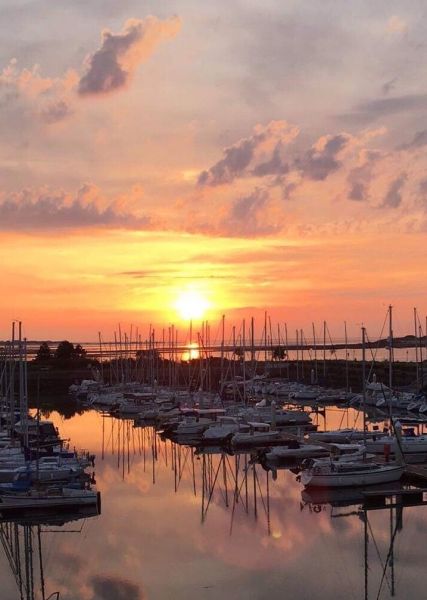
x,y
171,528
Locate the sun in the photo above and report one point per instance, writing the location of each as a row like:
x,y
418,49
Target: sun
x,y
191,304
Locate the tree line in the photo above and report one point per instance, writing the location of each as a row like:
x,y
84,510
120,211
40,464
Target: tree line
x,y
65,352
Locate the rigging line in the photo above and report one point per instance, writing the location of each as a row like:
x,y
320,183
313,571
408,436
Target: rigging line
x,y
356,418
342,418
212,489
260,491
378,552
373,355
390,550
10,559
181,468
341,554
379,338
332,349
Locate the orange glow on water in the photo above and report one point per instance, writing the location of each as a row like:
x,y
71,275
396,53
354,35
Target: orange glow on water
x,y
192,353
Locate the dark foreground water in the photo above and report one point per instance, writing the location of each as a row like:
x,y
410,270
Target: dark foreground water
x,y
175,525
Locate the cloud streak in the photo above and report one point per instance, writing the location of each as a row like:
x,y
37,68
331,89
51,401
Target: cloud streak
x,y
114,588
32,212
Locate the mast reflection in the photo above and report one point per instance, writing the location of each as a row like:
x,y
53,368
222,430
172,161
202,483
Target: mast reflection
x,y
22,542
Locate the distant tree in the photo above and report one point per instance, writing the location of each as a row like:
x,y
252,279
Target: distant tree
x,y
44,353
79,351
279,353
65,351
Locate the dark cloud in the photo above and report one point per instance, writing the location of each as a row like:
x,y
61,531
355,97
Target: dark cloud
x,y
423,187
248,217
357,191
263,150
112,65
235,161
360,177
287,188
419,140
320,161
388,86
47,211
56,111
382,107
393,198
113,588
273,166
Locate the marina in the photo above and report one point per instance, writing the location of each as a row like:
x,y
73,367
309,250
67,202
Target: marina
x,y
213,310
246,468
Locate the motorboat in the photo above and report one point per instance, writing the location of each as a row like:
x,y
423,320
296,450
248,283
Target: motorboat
x,y
295,449
224,429
258,434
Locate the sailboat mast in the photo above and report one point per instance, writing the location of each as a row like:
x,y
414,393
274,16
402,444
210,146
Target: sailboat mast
x,y
416,349
315,352
390,358
346,357
364,381
365,545
324,352
244,360
222,353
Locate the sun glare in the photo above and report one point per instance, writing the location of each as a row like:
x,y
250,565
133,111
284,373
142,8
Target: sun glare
x,y
191,304
192,352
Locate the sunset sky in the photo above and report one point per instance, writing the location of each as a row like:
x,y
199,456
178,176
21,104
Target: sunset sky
x,y
262,155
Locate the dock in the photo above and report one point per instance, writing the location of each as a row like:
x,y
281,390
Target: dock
x,y
416,473
392,498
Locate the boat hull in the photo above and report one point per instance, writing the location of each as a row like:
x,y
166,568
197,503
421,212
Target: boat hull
x,y
352,479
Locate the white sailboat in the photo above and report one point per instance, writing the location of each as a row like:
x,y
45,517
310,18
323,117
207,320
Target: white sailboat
x,y
339,473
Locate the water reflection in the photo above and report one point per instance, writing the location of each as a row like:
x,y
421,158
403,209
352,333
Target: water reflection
x,y
200,524
23,542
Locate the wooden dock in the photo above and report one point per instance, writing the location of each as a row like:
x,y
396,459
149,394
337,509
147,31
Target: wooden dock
x,y
416,473
393,498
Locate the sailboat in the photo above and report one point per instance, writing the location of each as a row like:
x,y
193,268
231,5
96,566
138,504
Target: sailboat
x,y
412,446
338,473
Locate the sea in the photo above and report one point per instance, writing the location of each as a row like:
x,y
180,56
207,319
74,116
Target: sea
x,y
182,524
